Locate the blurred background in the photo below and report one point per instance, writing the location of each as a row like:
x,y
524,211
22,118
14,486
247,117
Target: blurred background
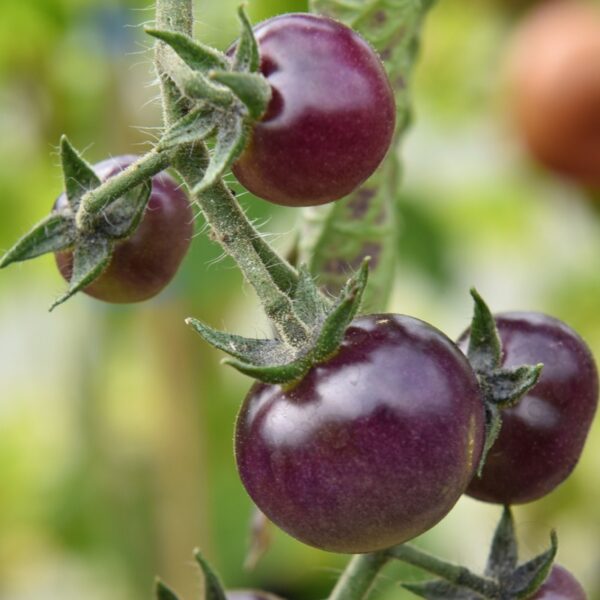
x,y
116,422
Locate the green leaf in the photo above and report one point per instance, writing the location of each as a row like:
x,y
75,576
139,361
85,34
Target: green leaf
x,y
247,57
91,257
345,309
437,589
121,218
527,578
78,175
229,144
213,589
252,89
196,55
309,304
197,125
485,350
162,592
55,232
254,351
503,555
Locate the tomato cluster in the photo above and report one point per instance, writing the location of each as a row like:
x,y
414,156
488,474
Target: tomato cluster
x,y
375,445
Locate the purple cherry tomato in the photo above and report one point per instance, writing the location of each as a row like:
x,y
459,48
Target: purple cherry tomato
x,y
331,117
560,585
542,437
143,264
373,446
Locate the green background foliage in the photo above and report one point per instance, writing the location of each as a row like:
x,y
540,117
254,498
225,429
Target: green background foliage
x,y
116,422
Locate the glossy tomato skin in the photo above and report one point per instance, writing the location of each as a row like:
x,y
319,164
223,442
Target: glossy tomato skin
x,y
373,446
554,82
560,585
331,116
542,437
143,264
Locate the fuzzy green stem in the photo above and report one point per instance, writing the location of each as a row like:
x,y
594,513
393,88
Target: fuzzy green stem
x,y
271,276
448,571
359,576
99,198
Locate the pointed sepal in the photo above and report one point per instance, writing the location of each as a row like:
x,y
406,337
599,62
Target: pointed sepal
x,y
246,57
229,144
503,556
91,257
342,313
528,577
78,174
500,387
485,348
196,55
213,588
505,387
251,89
281,374
493,425
55,232
273,361
438,589
121,218
199,87
309,304
162,592
255,351
197,125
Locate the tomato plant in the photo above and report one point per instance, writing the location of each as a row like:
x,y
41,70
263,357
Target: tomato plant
x,y
372,447
143,264
331,117
554,79
542,437
560,585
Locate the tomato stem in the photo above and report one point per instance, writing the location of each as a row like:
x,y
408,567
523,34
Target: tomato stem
x,y
359,576
113,188
452,573
273,278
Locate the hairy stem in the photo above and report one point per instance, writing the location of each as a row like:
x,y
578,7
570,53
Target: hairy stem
x,y
99,198
270,275
359,576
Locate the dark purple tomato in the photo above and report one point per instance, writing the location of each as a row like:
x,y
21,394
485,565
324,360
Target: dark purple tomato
x,y
143,264
542,437
331,116
250,595
560,585
373,446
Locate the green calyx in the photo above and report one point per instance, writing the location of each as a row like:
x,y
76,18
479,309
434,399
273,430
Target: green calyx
x,y
227,95
500,387
92,247
276,362
503,577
